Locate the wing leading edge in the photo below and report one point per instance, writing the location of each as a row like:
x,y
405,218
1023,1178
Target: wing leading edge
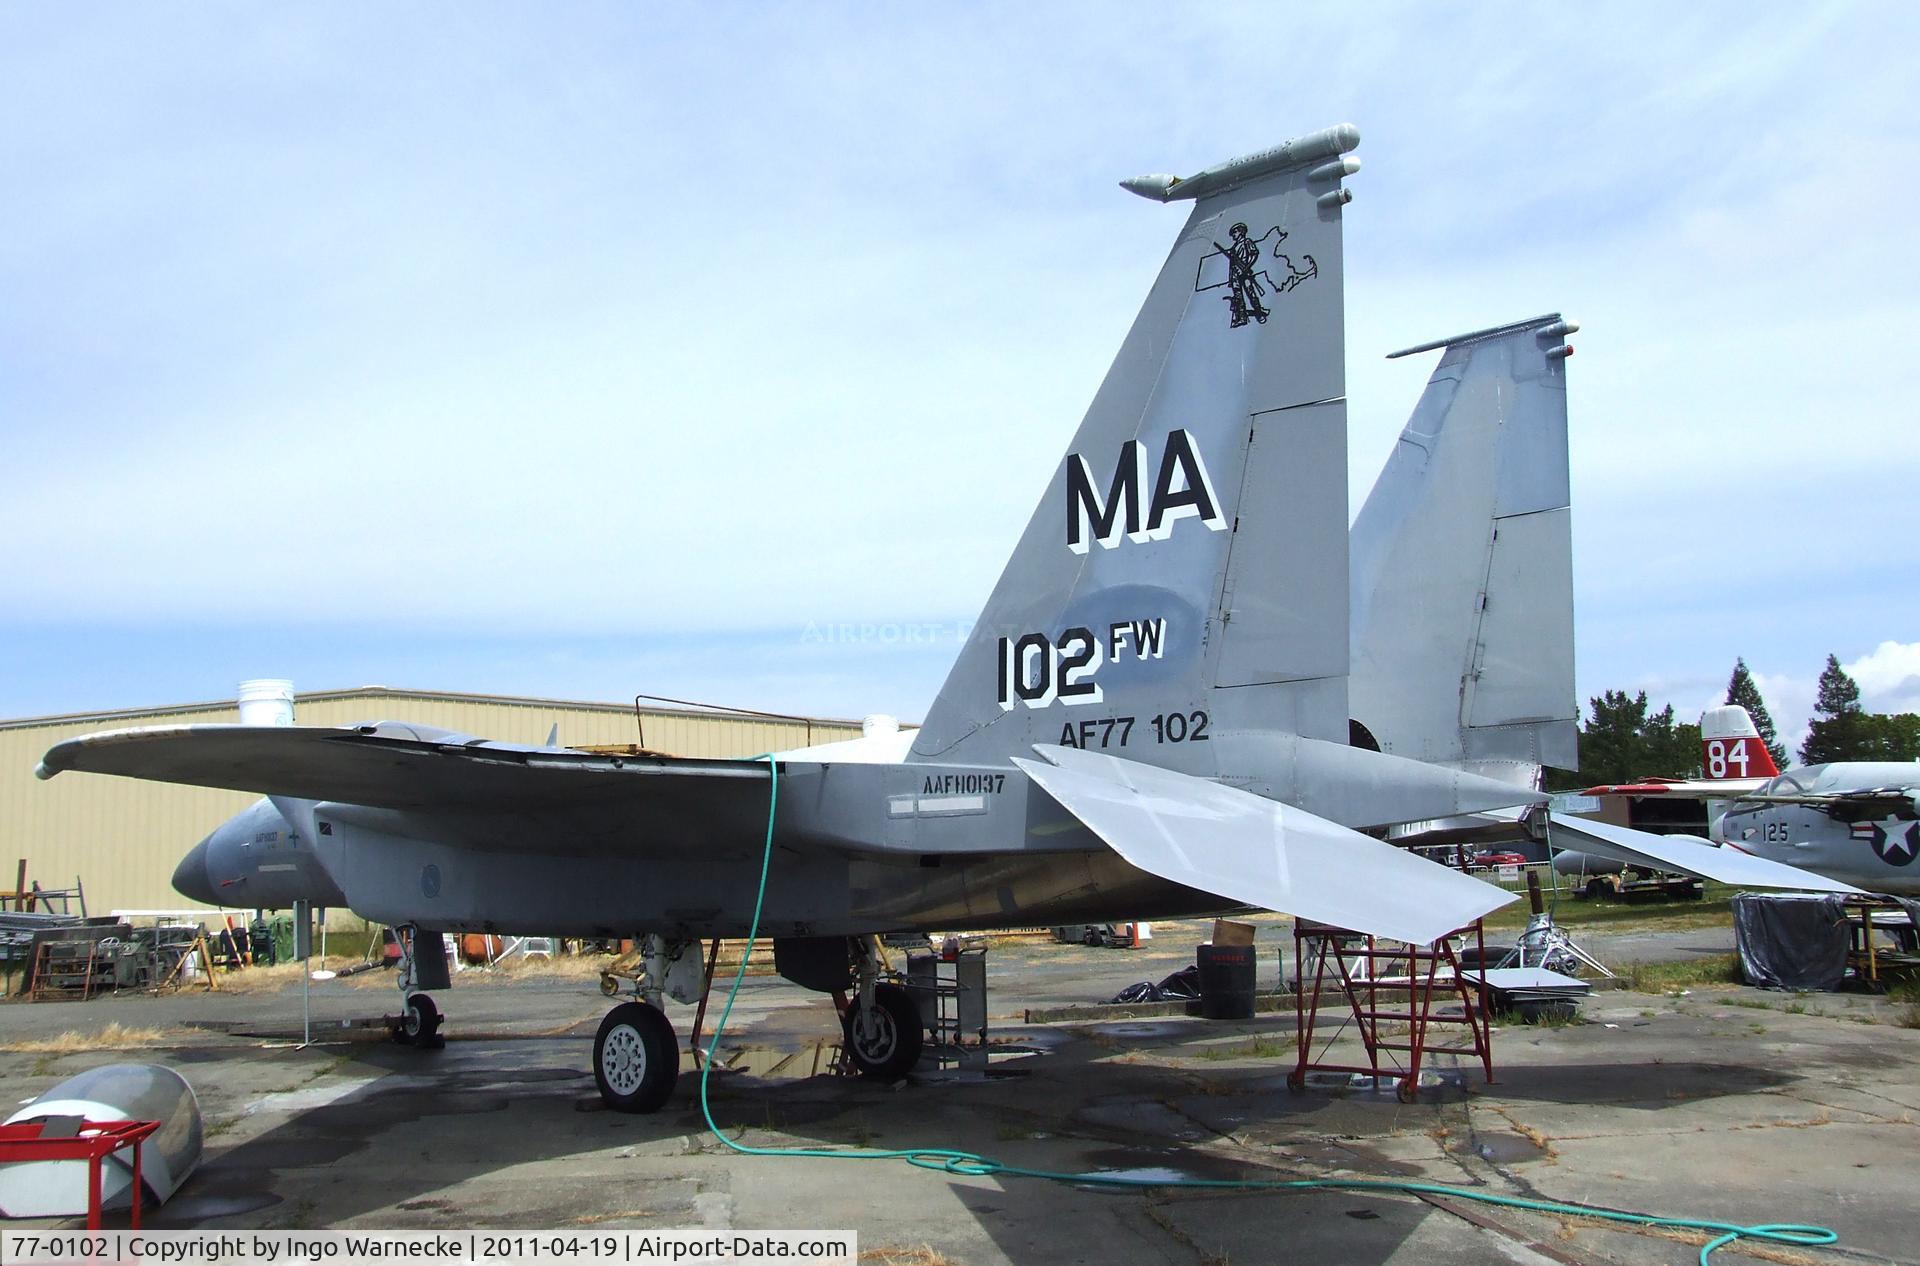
x,y
386,767
1222,840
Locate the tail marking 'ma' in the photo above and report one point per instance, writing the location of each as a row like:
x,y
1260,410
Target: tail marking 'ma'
x,y
1181,489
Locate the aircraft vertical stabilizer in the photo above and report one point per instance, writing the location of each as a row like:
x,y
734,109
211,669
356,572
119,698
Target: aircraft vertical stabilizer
x,y
1463,565
1731,746
1192,542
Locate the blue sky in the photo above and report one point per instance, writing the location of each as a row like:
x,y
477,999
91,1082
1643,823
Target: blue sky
x,y
722,351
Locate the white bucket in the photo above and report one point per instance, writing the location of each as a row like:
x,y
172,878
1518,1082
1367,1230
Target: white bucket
x,y
266,701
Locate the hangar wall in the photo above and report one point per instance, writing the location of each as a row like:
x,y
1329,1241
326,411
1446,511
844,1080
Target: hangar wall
x,y
122,837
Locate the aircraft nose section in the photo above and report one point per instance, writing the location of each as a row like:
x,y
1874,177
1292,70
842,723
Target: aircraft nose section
x,y
190,878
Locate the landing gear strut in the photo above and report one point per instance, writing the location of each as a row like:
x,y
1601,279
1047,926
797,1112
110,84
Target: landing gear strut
x,y
636,1058
882,1023
418,1024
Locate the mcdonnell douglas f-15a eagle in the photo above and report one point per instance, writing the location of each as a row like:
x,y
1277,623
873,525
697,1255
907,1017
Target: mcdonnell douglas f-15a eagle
x,y
1149,718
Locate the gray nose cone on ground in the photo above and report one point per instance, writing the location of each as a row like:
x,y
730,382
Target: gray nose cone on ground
x,y
190,878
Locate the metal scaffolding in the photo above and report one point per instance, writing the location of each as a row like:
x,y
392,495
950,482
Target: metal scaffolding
x,y
1384,983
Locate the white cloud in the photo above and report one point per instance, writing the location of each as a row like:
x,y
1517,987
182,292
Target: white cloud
x,y
1889,677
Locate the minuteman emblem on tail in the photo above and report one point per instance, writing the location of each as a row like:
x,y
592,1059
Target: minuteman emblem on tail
x,y
1236,266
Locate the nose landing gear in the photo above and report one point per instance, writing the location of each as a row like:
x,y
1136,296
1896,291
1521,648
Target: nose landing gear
x,y
420,1022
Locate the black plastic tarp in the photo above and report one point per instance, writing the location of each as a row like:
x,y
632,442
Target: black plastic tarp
x,y
1791,940
1182,986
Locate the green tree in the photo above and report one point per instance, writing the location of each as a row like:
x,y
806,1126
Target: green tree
x,y
1742,690
1620,742
1672,750
1892,736
1840,730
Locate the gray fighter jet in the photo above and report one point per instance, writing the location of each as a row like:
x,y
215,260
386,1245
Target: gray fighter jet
x,y
1149,719
1855,822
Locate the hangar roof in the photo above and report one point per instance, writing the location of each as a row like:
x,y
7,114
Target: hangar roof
x,y
373,693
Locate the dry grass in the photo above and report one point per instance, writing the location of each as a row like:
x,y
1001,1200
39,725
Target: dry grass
x,y
1765,1252
561,966
896,1255
1532,1134
115,1037
283,975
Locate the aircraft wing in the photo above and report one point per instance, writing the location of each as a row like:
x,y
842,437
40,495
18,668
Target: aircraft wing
x,y
1851,806
387,767
1686,855
1682,788
1223,840
1854,804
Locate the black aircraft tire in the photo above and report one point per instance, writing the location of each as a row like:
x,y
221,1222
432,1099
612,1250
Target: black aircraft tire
x,y
420,1023
895,1045
636,1060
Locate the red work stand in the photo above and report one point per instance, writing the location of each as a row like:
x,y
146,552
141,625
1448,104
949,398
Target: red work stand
x,y
96,1141
1383,982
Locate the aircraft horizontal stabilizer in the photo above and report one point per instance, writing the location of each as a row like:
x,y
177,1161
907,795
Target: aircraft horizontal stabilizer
x,y
1680,788
1686,855
1259,852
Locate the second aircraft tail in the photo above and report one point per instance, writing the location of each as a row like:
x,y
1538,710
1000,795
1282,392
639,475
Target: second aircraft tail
x,y
1462,558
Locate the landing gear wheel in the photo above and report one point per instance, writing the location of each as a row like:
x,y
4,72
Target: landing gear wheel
x,y
635,1058
888,1044
420,1024
609,984
1091,939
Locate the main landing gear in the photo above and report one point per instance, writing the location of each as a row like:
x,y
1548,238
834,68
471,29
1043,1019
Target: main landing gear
x,y
418,1024
636,1054
882,1022
636,1057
